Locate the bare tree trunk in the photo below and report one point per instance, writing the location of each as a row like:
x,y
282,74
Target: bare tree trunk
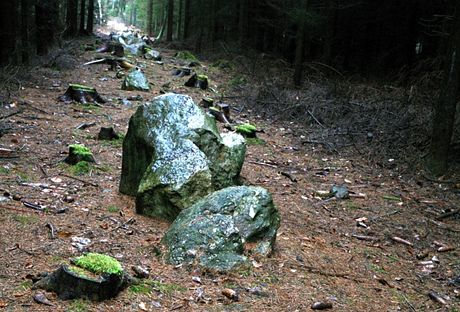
x,y
46,17
90,19
179,20
242,22
169,32
187,17
150,18
8,35
71,19
99,4
25,38
444,113
300,46
82,16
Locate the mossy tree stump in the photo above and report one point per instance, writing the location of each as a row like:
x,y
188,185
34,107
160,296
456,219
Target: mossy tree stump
x,y
77,153
81,94
92,276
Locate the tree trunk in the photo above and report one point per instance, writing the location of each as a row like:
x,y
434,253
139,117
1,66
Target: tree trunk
x,y
71,19
242,22
444,111
329,32
82,17
25,38
187,17
45,16
179,20
169,32
300,46
8,20
90,19
150,18
101,15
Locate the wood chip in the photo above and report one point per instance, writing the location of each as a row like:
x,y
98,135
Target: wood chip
x,y
402,241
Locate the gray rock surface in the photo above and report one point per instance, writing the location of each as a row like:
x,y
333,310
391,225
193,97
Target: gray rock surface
x,y
135,80
218,231
173,155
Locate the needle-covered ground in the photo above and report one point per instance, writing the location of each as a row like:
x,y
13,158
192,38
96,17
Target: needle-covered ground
x,y
386,247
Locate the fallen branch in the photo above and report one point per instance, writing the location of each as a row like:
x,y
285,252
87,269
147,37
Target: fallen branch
x,y
15,209
448,214
365,237
289,176
33,206
263,164
78,179
52,230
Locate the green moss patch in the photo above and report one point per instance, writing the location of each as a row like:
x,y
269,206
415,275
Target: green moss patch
x,y
99,263
254,141
80,149
246,130
80,168
81,87
186,55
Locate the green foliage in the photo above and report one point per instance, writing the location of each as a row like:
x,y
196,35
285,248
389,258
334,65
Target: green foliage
x,y
167,289
81,87
80,149
143,288
186,56
237,81
113,209
222,64
254,141
78,305
80,168
118,142
98,263
4,170
78,271
247,130
376,268
25,285
25,220
148,286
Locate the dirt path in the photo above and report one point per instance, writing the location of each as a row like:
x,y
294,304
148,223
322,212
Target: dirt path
x,y
343,251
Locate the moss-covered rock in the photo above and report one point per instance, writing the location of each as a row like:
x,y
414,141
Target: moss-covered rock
x,y
173,155
221,230
135,80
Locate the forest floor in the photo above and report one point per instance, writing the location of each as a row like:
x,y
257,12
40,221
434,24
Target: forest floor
x,y
388,247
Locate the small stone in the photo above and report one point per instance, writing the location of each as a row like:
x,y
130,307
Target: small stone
x,y
321,305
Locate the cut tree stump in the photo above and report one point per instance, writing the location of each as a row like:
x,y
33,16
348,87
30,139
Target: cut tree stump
x,y
95,281
81,94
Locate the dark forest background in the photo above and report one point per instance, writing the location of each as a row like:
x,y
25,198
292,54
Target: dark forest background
x,y
392,40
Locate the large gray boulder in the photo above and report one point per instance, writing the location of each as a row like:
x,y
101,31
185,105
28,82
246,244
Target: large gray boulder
x,y
220,230
173,155
135,80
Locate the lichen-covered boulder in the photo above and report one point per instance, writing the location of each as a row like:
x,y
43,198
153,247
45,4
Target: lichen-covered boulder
x,y
220,230
173,155
135,80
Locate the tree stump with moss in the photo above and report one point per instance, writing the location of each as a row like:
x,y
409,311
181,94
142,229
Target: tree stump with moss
x,y
198,81
92,276
81,94
247,130
78,153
